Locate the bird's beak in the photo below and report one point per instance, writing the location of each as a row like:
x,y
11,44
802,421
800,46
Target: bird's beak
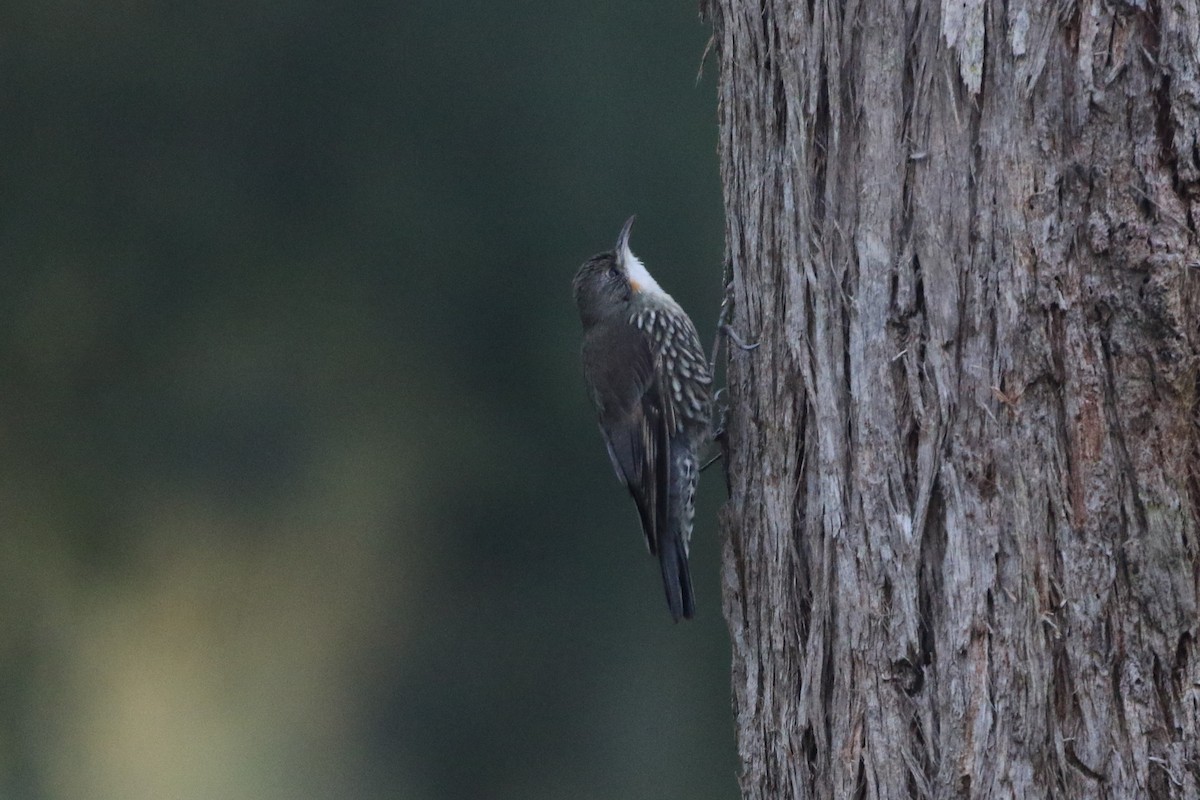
x,y
622,249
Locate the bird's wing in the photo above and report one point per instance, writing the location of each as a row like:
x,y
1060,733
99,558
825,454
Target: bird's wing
x,y
629,395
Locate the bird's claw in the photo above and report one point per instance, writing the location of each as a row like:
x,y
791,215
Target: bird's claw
x,y
737,340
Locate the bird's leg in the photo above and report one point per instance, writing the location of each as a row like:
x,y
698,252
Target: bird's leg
x,y
724,329
723,317
720,438
737,340
718,434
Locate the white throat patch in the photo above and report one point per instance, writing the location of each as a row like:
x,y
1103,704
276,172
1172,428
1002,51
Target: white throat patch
x,y
639,277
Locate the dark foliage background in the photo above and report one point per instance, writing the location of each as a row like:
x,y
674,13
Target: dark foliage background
x,y
300,495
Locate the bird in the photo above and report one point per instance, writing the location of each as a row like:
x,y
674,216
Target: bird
x,y
650,383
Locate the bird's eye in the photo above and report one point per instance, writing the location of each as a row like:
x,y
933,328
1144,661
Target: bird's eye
x,y
613,272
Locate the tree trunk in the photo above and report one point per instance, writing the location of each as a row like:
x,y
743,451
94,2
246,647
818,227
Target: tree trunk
x,y
961,549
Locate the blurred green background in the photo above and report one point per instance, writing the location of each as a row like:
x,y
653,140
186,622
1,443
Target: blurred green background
x,y
301,494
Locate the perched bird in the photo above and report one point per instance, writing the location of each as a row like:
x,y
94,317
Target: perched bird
x,y
650,382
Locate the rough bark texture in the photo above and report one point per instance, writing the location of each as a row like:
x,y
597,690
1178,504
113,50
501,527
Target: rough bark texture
x,y
962,540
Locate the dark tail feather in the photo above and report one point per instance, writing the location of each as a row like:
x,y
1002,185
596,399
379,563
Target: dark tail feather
x,y
677,578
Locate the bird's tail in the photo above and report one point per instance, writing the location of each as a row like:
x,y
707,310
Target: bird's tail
x,y
675,535
677,577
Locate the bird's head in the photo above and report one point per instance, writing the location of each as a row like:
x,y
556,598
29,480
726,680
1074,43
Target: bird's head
x,y
607,282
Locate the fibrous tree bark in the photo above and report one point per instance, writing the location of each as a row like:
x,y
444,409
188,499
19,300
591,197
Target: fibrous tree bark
x,y
961,546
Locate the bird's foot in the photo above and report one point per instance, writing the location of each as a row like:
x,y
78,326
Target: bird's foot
x,y
718,434
724,330
737,340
